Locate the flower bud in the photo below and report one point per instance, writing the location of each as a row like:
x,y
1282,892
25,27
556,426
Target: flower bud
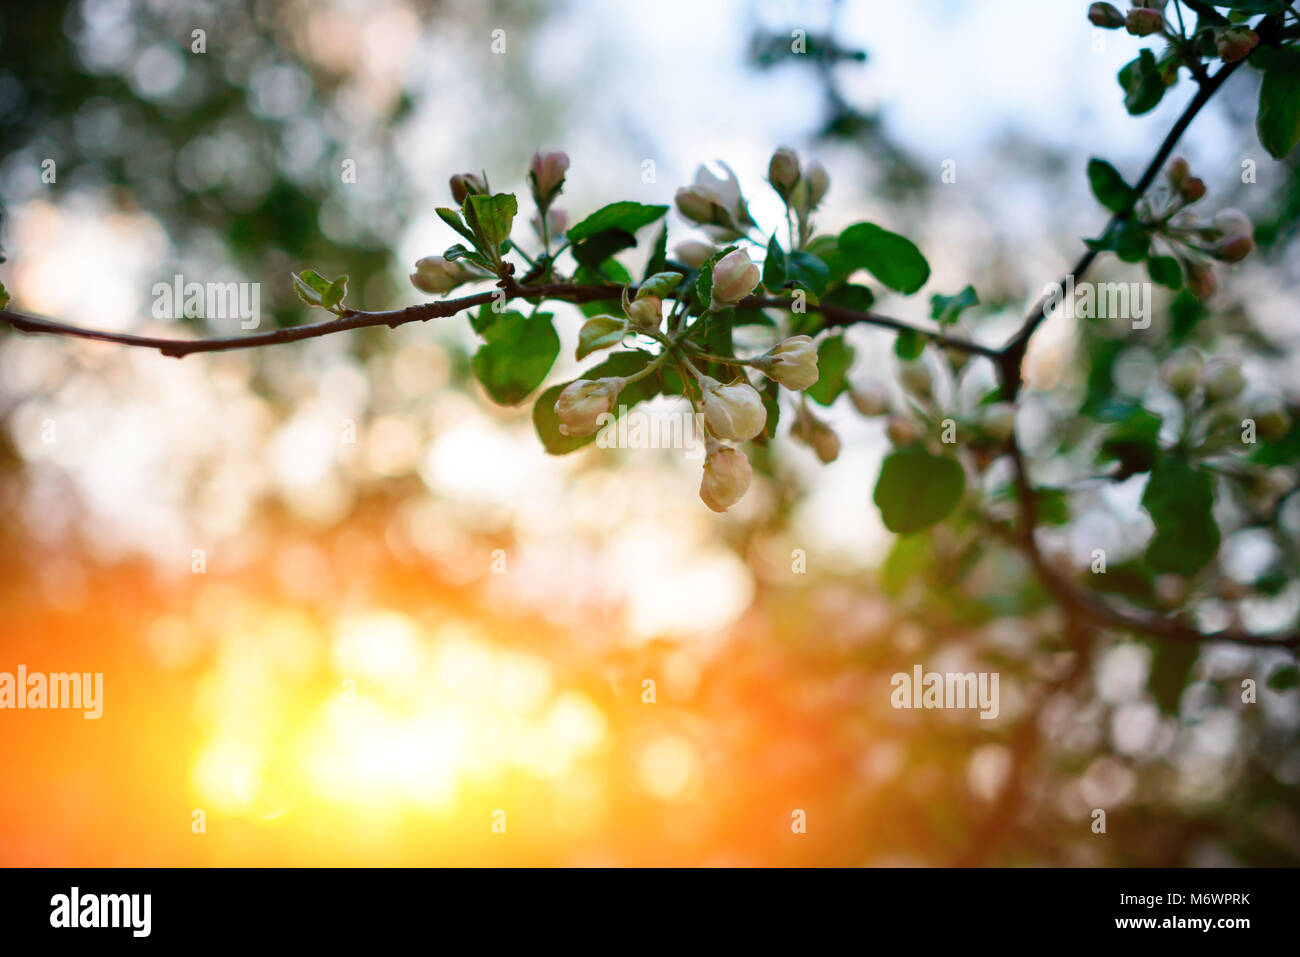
x,y
1182,374
436,275
998,420
1233,222
1178,171
819,181
734,278
1223,380
1272,422
733,411
783,172
1192,188
694,253
727,474
557,223
581,404
546,176
1235,42
645,314
695,205
1143,21
1105,15
819,436
1201,282
902,430
792,363
1232,249
464,185
870,399
915,378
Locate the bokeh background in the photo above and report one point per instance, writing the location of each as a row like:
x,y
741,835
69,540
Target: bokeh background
x,y
398,636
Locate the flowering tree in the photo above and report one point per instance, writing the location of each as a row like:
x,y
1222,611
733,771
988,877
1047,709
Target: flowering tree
x,y
959,470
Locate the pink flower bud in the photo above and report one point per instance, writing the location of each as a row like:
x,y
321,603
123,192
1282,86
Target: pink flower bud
x,y
581,404
902,430
464,185
727,474
793,363
1236,42
1233,249
1192,188
733,411
546,176
1200,281
1233,222
1106,16
695,205
734,278
819,436
1143,21
436,275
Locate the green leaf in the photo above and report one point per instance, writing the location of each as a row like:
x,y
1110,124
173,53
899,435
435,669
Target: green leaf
x,y
916,489
1278,122
1180,499
834,357
704,281
1165,271
808,271
774,266
1171,666
947,309
1109,186
851,296
909,344
315,290
827,249
598,248
1284,678
626,217
600,332
4,296
452,219
494,215
1133,442
1142,83
547,423
891,258
516,355
661,284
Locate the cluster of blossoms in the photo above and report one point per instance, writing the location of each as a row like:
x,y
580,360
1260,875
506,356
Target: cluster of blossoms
x,y
730,411
1230,41
1196,244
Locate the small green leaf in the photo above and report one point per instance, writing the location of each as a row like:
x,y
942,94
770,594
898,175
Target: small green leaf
x,y
1165,271
916,489
1142,83
909,344
851,296
1109,186
1284,678
1180,500
1171,666
947,309
516,355
808,271
774,266
494,215
891,258
626,216
315,290
452,219
834,357
335,293
600,332
1278,122
661,284
4,296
